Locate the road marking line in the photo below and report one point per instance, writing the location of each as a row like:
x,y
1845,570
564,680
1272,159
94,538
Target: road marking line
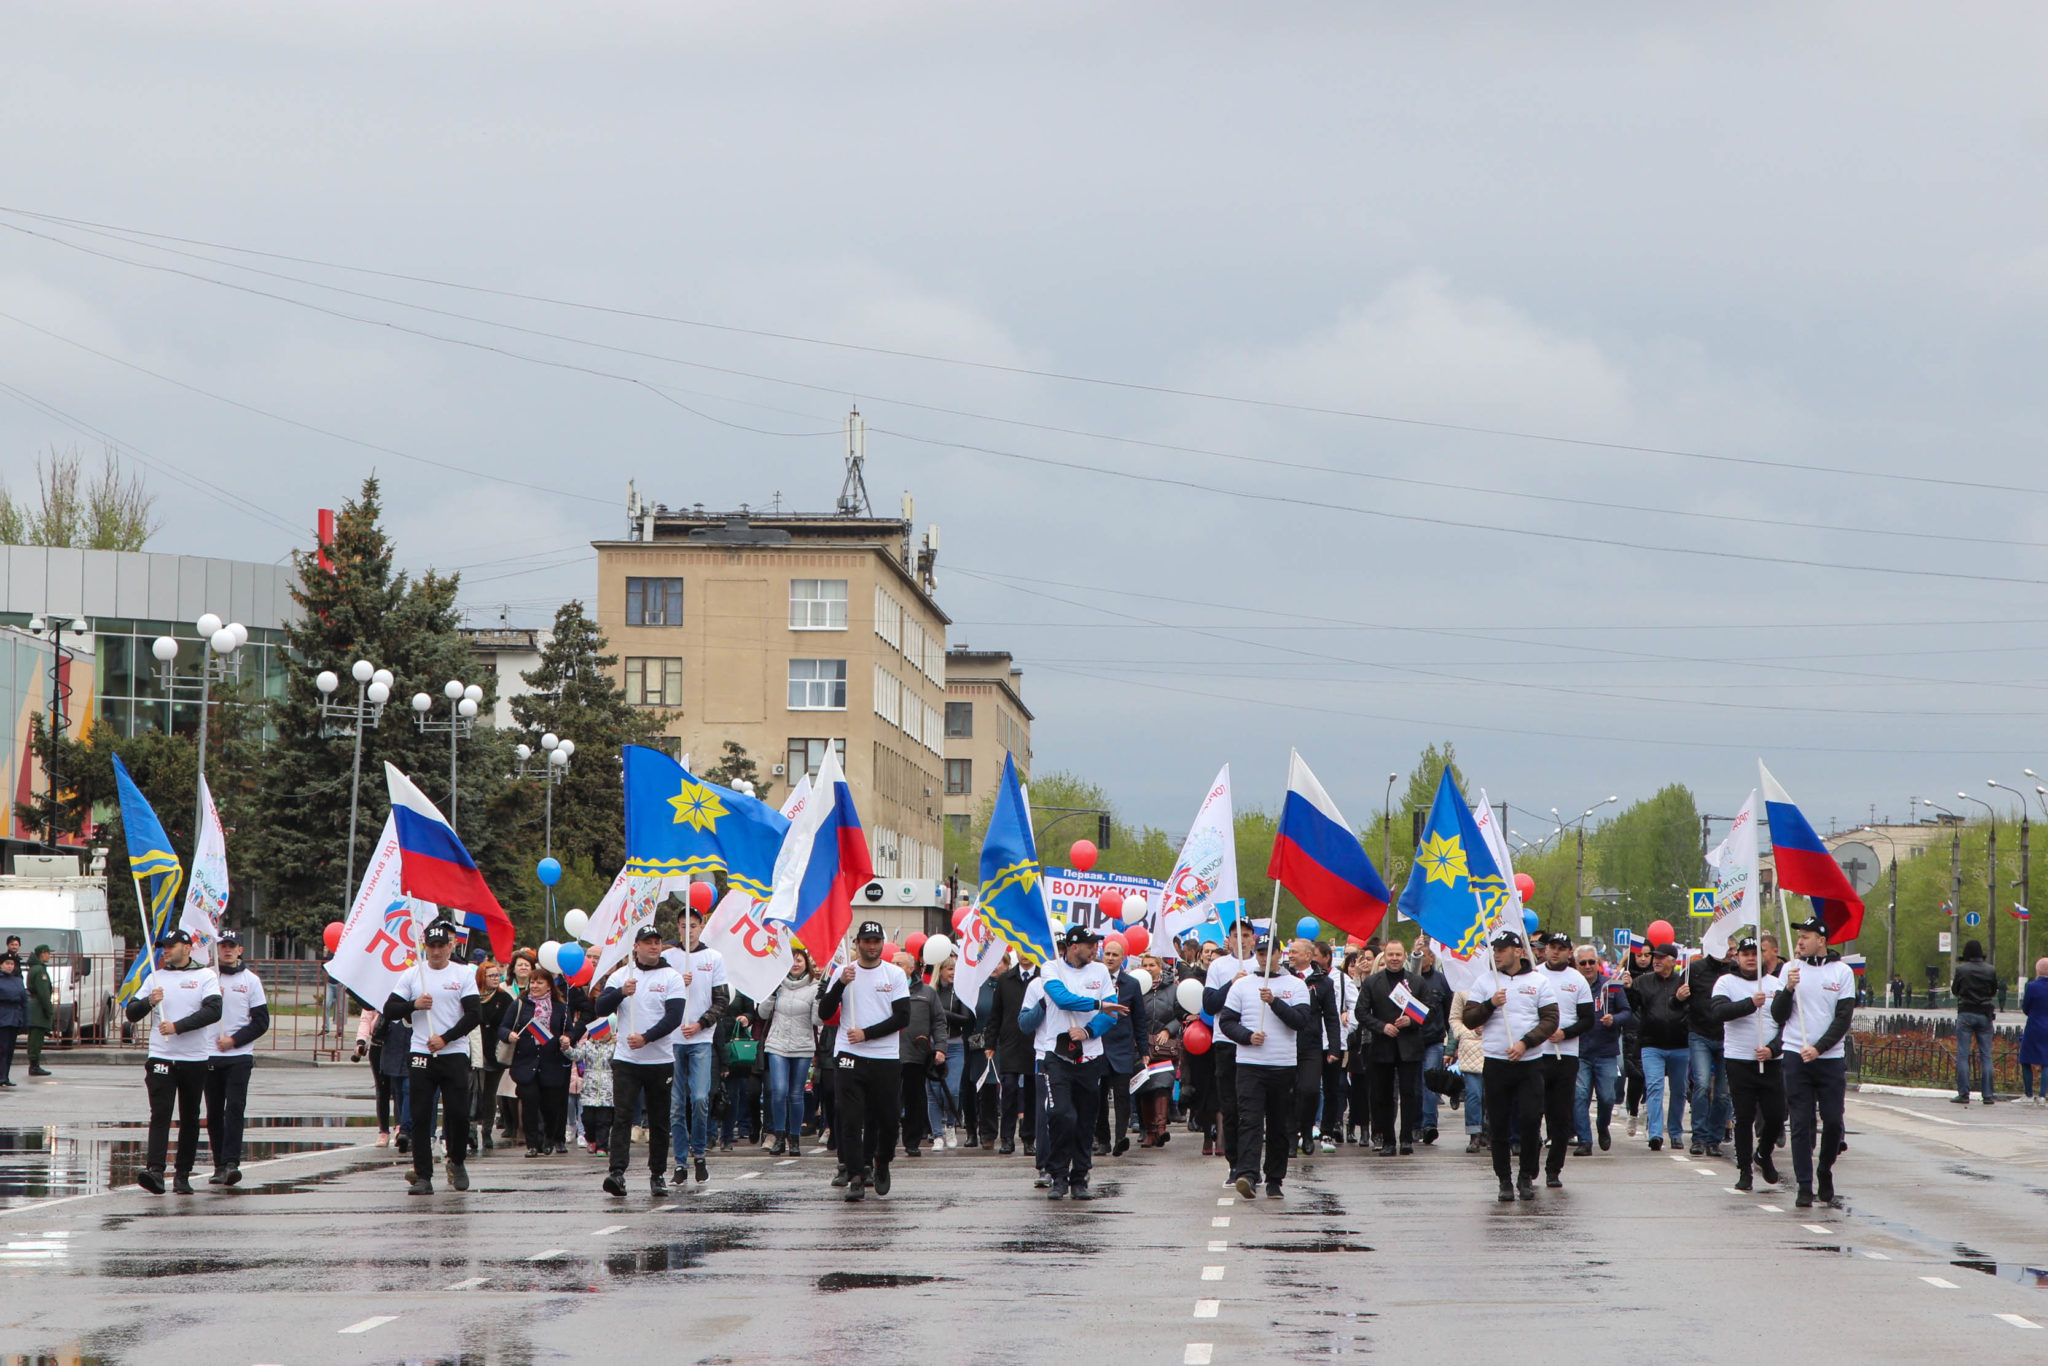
x,y
748,1176
1219,1245
1220,1221
1732,1191
1198,1354
367,1324
1226,1200
1212,1273
1915,1114
1772,1209
1939,1284
547,1255
608,1229
663,1209
1206,1309
1821,1229
787,1162
1879,1256
2016,1320
1680,1157
472,1283
56,1233
1704,1171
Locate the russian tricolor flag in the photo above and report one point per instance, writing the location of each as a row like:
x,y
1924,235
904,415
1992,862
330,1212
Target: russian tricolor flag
x,y
433,865
1410,1006
599,1032
822,863
1806,868
1316,857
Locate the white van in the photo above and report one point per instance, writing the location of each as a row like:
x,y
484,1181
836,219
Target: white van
x,y
45,901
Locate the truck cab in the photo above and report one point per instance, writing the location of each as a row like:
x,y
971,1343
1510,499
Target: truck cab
x,y
46,900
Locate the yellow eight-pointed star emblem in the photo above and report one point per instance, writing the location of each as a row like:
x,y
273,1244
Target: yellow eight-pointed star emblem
x,y
1443,860
697,806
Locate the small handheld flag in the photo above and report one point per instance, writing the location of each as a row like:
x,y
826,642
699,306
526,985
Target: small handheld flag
x,y
1410,1006
599,1032
536,1033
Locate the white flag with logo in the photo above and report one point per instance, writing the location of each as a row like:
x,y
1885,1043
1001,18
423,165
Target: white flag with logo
x,y
628,904
1734,862
979,952
1205,874
798,795
381,936
756,951
206,895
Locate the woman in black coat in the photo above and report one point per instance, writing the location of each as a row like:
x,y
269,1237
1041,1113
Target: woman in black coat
x,y
542,1030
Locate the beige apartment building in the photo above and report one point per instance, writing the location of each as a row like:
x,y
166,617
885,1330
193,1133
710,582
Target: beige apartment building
x,y
985,719
789,633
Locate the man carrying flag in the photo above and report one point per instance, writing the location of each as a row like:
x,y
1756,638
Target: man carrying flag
x,y
822,863
439,997
185,1000
434,866
157,874
1012,901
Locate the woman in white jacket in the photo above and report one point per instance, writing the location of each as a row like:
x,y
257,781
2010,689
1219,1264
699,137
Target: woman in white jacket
x,y
792,1012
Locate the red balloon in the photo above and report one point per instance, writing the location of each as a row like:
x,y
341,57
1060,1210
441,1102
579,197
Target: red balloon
x,y
1526,886
1082,854
1117,939
960,917
889,951
589,969
914,946
1195,1038
332,934
1137,939
1660,932
701,896
1110,903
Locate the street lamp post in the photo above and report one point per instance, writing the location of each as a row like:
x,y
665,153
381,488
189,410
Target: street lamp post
x,y
373,690
1387,828
1955,882
462,707
60,693
219,658
1579,871
2026,830
554,768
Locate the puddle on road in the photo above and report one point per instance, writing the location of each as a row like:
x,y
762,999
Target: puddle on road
x,y
1313,1245
1057,1247
870,1280
37,1165
681,1254
155,1268
253,1122
2033,1277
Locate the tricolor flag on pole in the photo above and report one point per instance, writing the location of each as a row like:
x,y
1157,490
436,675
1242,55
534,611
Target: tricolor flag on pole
x,y
599,1032
1410,1007
822,862
1318,858
1806,868
434,866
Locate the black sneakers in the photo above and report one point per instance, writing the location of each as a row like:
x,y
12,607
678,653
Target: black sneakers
x,y
1507,1194
615,1184
1743,1183
458,1176
856,1191
1554,1181
1274,1192
1804,1200
181,1184
704,1172
1656,1145
1525,1189
657,1187
839,1178
1057,1191
232,1176
881,1178
424,1185
151,1180
1765,1167
1080,1190
219,1175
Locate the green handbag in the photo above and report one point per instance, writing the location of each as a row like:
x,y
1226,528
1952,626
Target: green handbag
x,y
742,1052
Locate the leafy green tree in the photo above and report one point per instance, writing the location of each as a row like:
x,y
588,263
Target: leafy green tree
x,y
734,767
1649,855
1427,774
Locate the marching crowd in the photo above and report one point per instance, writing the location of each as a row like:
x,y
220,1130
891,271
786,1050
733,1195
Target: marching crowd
x,y
1266,1050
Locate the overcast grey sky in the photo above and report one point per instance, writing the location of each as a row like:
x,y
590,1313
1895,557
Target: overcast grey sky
x,y
1796,236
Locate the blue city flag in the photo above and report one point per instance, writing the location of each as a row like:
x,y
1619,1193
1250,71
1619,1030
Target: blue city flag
x,y
157,873
1012,899
679,826
1455,890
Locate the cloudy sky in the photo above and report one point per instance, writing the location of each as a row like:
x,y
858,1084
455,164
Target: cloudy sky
x,y
1620,393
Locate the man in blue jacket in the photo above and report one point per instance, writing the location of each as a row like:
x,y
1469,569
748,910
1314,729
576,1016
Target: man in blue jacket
x,y
1081,1006
1122,1056
1599,1051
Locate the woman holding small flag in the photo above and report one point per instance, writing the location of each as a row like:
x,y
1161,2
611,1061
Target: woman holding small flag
x,y
542,1033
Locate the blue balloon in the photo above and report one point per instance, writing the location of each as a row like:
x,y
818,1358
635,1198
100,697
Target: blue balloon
x,y
570,958
549,871
1530,921
1308,927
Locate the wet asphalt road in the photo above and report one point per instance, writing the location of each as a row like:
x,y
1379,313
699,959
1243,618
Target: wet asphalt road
x,y
322,1257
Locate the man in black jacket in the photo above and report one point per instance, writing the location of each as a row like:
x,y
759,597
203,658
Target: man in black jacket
x,y
1319,1045
1665,1042
1712,1106
1014,1062
1394,1044
1976,990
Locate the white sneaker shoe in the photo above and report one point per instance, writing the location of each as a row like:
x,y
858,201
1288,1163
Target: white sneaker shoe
x,y
1631,1126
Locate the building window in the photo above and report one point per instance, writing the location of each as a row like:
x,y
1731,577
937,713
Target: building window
x,y
959,824
654,602
817,604
654,682
808,756
888,617
817,685
959,777
888,697
959,720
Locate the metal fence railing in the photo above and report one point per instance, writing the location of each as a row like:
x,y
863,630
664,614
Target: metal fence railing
x,y
1915,1058
304,1006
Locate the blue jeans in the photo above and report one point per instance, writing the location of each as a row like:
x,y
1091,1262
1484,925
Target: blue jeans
x,y
739,1108
1969,1026
1432,1057
1596,1075
1713,1108
1658,1063
942,1086
689,1108
786,1094
1475,1102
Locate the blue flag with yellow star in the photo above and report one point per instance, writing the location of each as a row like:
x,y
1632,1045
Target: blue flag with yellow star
x,y
680,826
1455,888
157,873
1012,898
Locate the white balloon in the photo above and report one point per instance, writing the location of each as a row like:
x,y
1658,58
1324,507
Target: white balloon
x,y
1189,994
937,950
1143,979
1134,908
551,956
576,922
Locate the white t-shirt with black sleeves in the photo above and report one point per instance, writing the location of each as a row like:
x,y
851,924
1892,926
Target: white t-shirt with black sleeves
x,y
1528,993
1572,991
1278,1050
705,969
1741,1037
643,1010
240,994
450,987
868,1000
1821,988
184,990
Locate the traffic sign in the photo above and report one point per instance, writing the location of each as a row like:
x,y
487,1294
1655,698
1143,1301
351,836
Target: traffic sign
x,y
1621,939
1703,903
1944,942
1973,918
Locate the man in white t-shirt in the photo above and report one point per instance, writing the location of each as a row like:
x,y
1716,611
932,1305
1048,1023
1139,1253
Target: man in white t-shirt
x,y
1514,1024
183,1003
1814,1006
1231,965
1561,1067
440,997
1262,1013
872,1000
1081,1006
244,1018
706,998
649,997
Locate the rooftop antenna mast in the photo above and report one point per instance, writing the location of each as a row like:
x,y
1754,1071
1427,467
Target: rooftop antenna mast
x,y
853,495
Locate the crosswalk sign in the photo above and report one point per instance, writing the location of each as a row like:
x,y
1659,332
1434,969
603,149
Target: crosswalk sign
x,y
1703,903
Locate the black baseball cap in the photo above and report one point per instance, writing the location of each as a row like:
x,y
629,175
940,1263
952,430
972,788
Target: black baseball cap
x,y
1667,949
170,937
1816,924
228,937
869,929
1507,938
440,932
645,933
1746,944
1078,934
1555,940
